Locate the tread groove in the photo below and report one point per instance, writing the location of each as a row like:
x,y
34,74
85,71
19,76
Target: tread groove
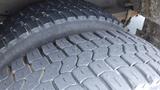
x,y
60,66
86,78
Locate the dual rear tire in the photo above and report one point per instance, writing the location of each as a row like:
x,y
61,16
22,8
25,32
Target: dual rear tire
x,y
73,45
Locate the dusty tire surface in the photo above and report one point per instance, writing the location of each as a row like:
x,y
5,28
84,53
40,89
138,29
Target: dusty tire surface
x,y
86,51
41,23
100,60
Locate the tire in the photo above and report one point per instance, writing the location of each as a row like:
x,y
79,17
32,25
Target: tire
x,y
44,22
100,60
97,56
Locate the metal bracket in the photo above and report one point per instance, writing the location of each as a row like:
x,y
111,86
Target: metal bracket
x,y
136,23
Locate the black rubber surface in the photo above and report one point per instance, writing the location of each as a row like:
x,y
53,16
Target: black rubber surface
x,y
47,21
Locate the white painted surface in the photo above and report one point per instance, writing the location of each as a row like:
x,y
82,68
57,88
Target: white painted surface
x,y
136,23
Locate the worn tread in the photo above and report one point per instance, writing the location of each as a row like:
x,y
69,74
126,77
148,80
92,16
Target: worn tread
x,y
37,20
100,60
100,67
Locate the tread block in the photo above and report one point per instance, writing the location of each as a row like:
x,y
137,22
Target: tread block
x,y
155,66
40,64
17,64
116,62
43,19
110,37
69,64
76,39
123,37
82,17
75,87
129,48
127,40
148,73
87,46
114,33
33,80
54,15
22,73
104,34
131,59
6,83
82,73
72,51
51,72
60,21
126,34
66,12
154,57
133,76
33,55
63,43
100,53
150,49
17,85
64,80
57,56
115,50
85,12
95,84
85,58
145,58
102,43
142,40
99,67
141,48
90,36
48,48
45,86
4,73
139,42
76,12
115,81
114,40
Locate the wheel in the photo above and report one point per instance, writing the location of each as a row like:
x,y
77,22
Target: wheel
x,y
101,57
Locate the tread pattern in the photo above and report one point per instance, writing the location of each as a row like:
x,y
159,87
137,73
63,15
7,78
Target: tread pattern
x,y
43,15
100,60
115,66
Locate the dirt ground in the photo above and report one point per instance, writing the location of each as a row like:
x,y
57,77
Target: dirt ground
x,y
151,30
